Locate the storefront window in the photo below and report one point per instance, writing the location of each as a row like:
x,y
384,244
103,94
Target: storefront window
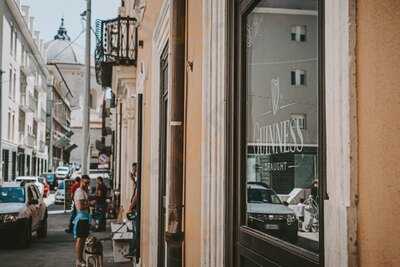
x,y
282,129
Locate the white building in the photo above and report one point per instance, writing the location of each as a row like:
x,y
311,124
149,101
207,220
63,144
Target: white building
x,y
23,93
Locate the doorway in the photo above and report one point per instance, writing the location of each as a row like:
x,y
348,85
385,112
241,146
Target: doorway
x,y
163,154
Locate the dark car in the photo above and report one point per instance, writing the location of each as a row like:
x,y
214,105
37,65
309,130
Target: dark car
x,y
268,214
22,211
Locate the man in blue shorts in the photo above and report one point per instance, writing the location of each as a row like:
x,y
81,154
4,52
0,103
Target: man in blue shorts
x,y
82,219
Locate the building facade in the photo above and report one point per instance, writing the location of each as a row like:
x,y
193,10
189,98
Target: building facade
x,y
65,60
255,114
23,93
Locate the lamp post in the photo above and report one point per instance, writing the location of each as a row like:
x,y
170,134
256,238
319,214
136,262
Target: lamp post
x,y
86,108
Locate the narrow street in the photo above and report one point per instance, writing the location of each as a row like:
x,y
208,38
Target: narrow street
x,y
56,249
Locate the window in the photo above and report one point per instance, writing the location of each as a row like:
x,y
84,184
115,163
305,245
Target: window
x,y
14,84
12,40
10,82
298,33
12,127
278,175
15,45
297,78
9,126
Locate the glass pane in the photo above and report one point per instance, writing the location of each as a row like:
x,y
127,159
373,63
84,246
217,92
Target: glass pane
x,y
282,120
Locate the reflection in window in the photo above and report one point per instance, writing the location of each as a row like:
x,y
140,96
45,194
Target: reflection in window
x,y
297,77
282,123
298,33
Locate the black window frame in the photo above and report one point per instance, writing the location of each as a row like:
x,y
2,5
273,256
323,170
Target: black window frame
x,y
242,241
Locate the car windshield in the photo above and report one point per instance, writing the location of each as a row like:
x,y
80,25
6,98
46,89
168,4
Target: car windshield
x,y
63,169
256,195
12,195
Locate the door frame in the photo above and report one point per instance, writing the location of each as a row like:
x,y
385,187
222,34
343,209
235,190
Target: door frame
x,y
163,137
239,238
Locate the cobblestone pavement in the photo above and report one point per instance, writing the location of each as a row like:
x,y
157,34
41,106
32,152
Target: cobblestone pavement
x,y
54,251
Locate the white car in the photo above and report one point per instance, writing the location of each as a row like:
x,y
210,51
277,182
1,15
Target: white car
x,y
22,211
60,193
62,172
38,181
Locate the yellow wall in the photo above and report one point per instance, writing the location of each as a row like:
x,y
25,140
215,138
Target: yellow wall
x,y
378,83
145,55
193,135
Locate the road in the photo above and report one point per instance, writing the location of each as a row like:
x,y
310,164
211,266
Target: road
x,y
56,250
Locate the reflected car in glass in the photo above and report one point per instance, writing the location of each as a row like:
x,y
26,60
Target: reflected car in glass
x,y
268,214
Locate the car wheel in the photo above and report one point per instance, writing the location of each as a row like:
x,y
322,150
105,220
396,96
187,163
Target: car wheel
x,y
25,236
42,232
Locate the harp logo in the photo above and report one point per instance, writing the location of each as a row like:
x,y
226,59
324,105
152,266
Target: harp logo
x,y
275,95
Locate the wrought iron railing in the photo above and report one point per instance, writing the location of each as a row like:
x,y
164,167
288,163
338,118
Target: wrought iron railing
x,y
117,42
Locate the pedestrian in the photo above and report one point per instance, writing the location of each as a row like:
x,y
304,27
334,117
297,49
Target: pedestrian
x,y
315,191
132,211
82,219
101,203
300,212
74,187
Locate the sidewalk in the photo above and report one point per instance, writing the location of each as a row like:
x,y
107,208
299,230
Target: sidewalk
x,y
105,238
57,249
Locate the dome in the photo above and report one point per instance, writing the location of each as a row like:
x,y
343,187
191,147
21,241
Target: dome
x,y
61,49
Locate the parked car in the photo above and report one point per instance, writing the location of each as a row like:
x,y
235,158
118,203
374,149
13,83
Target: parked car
x,y
62,172
60,193
38,181
22,212
268,214
51,179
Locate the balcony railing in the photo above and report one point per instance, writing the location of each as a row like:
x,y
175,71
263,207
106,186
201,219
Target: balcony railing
x,y
117,45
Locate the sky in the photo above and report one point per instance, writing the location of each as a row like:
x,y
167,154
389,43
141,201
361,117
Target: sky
x,y
48,15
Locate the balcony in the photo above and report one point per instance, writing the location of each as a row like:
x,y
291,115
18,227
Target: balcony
x,y
117,45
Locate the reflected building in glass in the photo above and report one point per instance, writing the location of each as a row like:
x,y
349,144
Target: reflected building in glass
x,y
282,96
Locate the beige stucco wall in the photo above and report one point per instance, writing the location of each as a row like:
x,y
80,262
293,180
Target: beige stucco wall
x,y
193,135
151,13
378,82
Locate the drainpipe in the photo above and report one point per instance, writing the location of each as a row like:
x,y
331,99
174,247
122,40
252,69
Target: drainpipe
x,y
174,235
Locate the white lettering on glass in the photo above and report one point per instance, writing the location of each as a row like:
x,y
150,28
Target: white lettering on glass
x,y
279,137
